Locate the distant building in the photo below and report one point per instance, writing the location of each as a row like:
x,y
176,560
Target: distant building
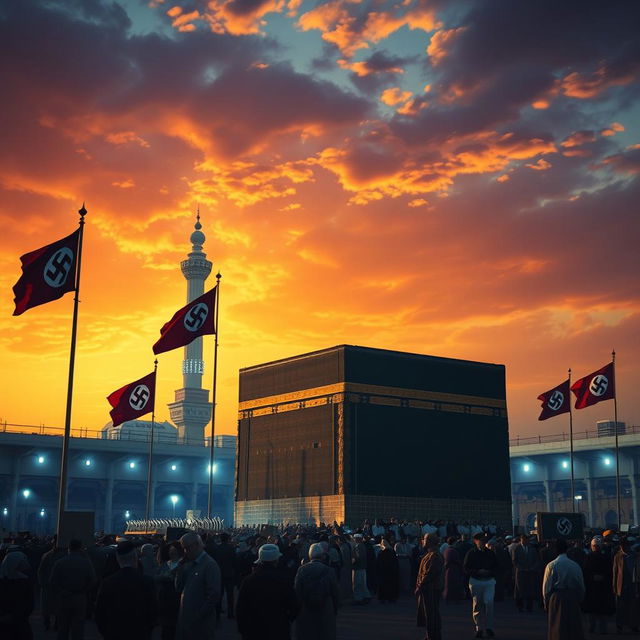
x,y
349,433
140,430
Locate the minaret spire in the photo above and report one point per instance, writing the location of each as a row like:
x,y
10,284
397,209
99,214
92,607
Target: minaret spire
x,y
191,410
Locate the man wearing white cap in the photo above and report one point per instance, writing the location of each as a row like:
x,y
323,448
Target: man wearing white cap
x,y
316,586
267,603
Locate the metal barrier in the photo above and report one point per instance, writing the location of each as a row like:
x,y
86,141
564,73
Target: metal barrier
x,y
161,525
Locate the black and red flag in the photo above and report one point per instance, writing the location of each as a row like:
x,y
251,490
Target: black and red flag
x,y
47,273
596,387
195,319
555,401
133,400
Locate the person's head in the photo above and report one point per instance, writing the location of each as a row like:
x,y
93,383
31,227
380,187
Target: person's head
x,y
317,551
146,550
175,552
269,554
431,540
451,540
127,554
75,546
561,546
480,540
192,544
358,537
596,543
15,566
524,540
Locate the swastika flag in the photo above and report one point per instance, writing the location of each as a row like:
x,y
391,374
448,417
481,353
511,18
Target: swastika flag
x,y
555,401
596,387
193,320
133,400
47,273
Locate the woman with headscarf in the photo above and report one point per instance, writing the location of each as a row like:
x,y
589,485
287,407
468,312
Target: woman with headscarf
x,y
16,597
387,572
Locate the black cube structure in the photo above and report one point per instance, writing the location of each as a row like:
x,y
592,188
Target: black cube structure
x,y
349,433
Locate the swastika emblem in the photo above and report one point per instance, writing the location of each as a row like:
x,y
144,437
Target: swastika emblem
x,y
196,316
139,397
564,526
598,385
556,400
58,267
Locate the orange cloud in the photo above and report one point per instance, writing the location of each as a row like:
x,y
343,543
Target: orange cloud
x,y
540,165
612,129
349,32
394,96
363,69
590,85
578,138
441,43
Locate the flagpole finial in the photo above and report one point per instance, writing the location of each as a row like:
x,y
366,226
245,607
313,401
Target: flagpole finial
x,y
218,276
82,211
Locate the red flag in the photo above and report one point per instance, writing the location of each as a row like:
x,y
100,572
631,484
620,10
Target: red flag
x,y
133,400
596,387
193,320
47,273
555,401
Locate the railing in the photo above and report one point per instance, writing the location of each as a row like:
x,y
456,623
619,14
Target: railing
x,y
577,435
82,432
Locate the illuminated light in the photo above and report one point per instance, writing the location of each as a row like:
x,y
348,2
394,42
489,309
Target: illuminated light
x,y
526,468
5,511
40,459
127,514
42,513
174,467
174,499
87,462
565,464
607,461
26,493
132,465
215,466
578,497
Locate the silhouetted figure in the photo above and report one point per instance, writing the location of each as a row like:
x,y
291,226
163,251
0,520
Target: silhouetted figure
x,y
429,585
317,589
599,602
388,573
225,556
267,603
72,579
198,583
526,563
168,597
126,606
16,597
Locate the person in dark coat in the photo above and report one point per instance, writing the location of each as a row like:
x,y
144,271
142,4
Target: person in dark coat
x,y
624,587
267,603
225,556
47,594
372,576
599,602
429,585
72,580
388,573
453,575
126,606
16,597
526,563
503,572
168,598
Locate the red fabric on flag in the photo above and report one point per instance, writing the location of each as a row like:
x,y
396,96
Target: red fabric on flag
x,y
596,387
555,401
47,273
195,319
133,400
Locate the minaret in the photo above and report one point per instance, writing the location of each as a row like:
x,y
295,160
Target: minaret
x,y
191,410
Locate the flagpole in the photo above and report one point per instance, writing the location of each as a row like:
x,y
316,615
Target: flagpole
x,y
150,469
573,489
615,426
72,358
213,399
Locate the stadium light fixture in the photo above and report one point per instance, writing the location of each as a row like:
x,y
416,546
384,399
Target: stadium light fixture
x,y
578,497
565,464
87,462
607,461
526,468
174,467
26,493
132,465
40,459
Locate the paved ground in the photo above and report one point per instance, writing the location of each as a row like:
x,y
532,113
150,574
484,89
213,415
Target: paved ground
x,y
393,622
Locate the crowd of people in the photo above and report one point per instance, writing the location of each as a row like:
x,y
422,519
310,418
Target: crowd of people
x,y
288,582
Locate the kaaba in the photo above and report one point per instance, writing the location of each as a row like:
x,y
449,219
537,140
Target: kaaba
x,y
349,433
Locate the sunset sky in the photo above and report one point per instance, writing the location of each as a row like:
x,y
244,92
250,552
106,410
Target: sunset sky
x,y
458,179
